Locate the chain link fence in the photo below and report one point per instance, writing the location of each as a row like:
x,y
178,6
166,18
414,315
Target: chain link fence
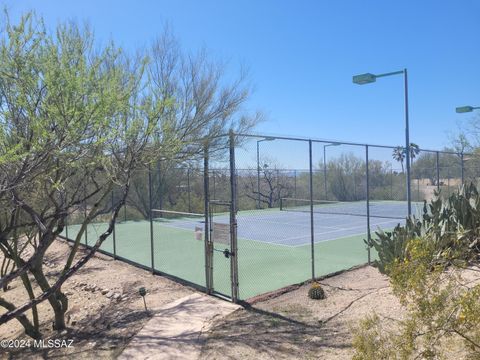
x,y
259,213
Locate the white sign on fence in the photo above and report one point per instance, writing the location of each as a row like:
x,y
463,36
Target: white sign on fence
x,y
221,233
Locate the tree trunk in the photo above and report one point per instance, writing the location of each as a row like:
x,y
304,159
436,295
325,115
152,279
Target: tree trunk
x,y
31,295
22,319
57,300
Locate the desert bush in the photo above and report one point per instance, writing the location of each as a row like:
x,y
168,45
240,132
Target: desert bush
x,y
442,311
425,259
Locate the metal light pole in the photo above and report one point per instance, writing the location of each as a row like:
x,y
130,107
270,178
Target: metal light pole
x,y
465,109
325,167
258,168
407,144
370,78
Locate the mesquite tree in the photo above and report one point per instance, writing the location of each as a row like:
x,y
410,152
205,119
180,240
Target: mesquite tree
x,y
76,120
267,185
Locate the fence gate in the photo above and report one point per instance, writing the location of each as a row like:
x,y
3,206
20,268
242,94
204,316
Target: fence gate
x,y
221,256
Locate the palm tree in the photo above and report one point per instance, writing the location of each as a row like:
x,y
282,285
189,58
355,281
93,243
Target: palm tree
x,y
414,150
399,153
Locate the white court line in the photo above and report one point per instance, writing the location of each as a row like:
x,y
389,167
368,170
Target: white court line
x,y
297,237
333,231
243,238
323,216
315,233
293,224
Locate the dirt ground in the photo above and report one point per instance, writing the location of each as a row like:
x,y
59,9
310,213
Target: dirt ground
x,y
292,326
105,309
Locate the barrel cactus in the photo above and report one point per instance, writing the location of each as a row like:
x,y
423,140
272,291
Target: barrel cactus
x,y
316,292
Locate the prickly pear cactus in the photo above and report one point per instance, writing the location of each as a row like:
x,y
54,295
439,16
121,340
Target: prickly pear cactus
x,y
316,292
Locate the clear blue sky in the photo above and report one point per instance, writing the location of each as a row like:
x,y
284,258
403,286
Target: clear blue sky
x,y
302,55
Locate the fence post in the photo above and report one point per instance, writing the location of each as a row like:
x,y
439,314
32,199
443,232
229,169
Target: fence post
x,y
294,185
214,184
85,211
278,182
418,189
160,186
354,188
258,174
391,183
233,221
114,237
368,203
324,171
151,217
312,243
438,170
188,189
208,248
66,217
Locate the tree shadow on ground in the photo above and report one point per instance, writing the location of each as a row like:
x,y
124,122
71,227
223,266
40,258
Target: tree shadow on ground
x,y
103,331
257,331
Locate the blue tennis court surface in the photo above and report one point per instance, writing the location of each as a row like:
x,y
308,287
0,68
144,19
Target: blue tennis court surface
x,y
291,227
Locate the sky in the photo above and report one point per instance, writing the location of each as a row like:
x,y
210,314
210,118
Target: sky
x,y
301,56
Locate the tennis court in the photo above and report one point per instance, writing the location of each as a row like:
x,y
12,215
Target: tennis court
x,y
291,225
273,244
270,180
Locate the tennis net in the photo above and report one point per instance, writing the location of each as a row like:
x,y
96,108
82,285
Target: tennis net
x,y
165,215
379,209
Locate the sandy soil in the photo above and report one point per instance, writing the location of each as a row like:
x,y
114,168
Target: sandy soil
x,y
292,326
105,309
287,326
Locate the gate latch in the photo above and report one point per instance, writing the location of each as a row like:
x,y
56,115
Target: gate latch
x,y
227,253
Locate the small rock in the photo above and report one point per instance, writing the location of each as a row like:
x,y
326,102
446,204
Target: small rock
x,y
104,291
116,296
110,294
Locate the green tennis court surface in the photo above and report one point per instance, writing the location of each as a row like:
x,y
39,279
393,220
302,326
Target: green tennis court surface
x,y
273,246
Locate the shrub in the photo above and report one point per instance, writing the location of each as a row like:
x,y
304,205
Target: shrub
x,y
442,311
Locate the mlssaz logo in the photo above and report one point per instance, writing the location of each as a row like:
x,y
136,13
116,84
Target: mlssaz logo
x,y
53,343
